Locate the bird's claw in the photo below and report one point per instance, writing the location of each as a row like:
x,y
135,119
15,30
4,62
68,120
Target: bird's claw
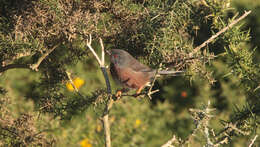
x,y
118,94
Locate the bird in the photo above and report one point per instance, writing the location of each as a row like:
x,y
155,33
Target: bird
x,y
130,73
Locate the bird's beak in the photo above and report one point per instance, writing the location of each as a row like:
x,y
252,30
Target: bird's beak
x,y
108,52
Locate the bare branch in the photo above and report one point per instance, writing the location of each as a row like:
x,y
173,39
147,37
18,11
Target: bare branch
x,y
92,50
253,141
17,56
106,125
12,66
170,142
110,101
219,33
32,66
141,94
150,92
206,129
37,64
103,51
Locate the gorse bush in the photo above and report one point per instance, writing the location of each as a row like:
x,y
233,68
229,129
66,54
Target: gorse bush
x,y
53,93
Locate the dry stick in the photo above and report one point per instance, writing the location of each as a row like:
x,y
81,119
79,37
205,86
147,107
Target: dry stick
x,y
72,83
37,64
110,102
32,66
140,94
253,141
11,66
206,129
170,142
220,32
150,92
17,56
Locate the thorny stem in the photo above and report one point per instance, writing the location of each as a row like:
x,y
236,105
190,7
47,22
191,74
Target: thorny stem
x,y
219,33
206,43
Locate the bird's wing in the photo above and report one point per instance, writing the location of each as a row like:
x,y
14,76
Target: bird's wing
x,y
138,67
133,79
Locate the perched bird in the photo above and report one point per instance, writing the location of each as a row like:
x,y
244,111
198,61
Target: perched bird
x,y
130,73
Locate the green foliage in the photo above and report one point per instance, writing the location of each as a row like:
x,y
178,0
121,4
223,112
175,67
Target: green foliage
x,y
47,38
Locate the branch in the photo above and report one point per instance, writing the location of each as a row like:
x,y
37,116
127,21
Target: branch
x,y
32,66
220,32
72,83
110,101
253,141
170,142
11,66
201,118
93,51
149,93
37,64
17,56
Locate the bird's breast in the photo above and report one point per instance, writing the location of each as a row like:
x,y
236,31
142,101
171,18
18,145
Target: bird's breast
x,y
129,77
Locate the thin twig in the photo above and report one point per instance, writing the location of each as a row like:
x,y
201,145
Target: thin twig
x,y
170,142
201,118
110,101
234,127
206,129
17,56
72,83
253,141
219,33
155,76
92,50
103,51
140,94
32,66
37,64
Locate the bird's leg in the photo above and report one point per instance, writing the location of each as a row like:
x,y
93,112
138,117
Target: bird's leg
x,y
138,91
119,92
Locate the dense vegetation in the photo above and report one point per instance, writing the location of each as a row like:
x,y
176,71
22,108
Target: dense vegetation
x,y
43,49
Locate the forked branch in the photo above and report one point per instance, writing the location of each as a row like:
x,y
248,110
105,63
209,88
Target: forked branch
x,y
28,66
110,101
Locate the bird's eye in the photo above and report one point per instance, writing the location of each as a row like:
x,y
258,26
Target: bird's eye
x,y
115,55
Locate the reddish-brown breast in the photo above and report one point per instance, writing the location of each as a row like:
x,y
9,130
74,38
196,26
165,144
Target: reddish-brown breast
x,y
129,78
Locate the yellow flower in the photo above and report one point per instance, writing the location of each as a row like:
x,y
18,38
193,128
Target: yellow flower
x,y
112,118
137,123
85,143
78,82
99,128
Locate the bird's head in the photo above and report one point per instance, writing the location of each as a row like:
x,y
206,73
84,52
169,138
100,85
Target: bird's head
x,y
117,56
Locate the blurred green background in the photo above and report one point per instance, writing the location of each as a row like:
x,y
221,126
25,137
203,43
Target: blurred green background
x,y
134,121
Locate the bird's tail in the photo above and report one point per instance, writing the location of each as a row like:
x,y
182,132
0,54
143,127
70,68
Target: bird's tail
x,y
171,73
